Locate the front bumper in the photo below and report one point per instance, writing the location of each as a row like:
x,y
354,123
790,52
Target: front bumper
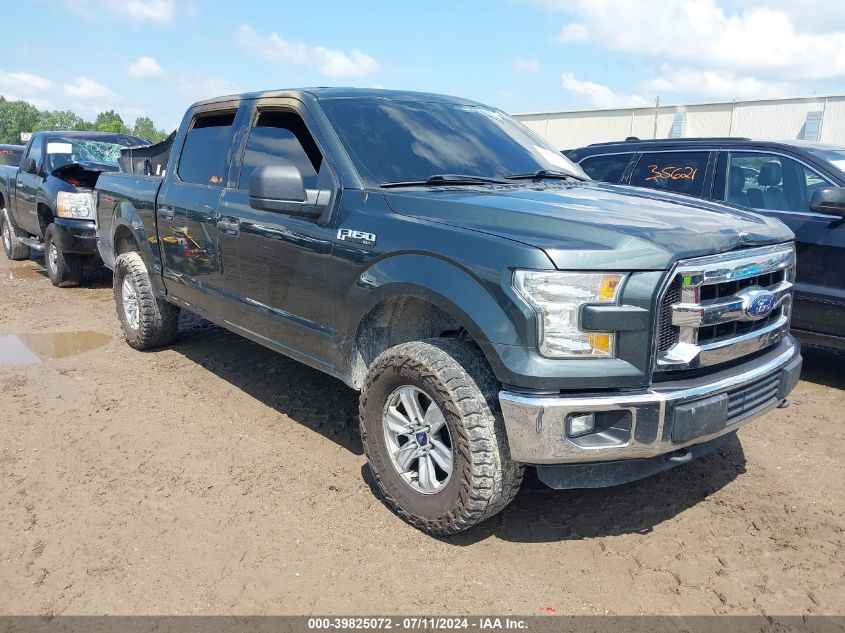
x,y
76,237
663,419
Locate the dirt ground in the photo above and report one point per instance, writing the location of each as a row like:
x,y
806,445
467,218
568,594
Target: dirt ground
x,y
216,477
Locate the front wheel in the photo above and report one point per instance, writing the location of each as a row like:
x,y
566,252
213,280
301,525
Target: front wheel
x,y
14,248
434,436
146,321
62,269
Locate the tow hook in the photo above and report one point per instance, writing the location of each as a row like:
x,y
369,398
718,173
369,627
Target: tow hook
x,y
680,457
784,404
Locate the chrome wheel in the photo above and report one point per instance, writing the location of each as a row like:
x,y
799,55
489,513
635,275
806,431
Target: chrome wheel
x,y
53,257
7,234
418,440
130,303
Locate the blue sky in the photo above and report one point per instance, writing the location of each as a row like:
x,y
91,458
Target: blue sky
x,y
155,57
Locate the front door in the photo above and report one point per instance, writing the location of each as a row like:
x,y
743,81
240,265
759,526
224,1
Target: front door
x,y
187,213
281,290
25,200
782,187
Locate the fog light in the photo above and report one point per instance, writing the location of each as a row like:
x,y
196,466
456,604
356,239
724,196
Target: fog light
x,y
580,424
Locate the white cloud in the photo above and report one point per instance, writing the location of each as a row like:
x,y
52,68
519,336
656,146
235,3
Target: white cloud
x,y
573,33
86,89
598,95
198,89
24,83
711,84
145,68
327,61
26,87
525,66
759,42
159,11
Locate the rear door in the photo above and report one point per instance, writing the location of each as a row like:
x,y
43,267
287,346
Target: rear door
x,y
25,199
188,207
282,290
781,186
682,171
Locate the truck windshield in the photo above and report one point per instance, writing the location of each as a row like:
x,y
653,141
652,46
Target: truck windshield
x,y
64,151
405,141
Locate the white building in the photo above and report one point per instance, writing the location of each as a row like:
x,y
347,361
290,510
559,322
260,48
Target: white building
x,y
814,118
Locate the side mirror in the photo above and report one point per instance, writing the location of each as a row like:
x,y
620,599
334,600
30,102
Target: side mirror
x,y
31,166
279,188
829,200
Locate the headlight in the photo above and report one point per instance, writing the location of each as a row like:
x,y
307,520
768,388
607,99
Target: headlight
x,y
557,297
75,205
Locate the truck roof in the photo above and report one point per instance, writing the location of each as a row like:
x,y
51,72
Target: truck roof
x,y
319,93
636,144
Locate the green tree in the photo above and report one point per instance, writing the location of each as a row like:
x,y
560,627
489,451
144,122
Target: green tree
x,y
110,121
16,117
60,120
145,128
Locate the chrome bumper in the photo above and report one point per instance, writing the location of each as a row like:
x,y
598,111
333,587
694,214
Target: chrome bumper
x,y
665,418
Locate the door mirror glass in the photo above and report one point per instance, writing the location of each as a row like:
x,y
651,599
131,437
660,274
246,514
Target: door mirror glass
x,y
280,188
31,166
829,200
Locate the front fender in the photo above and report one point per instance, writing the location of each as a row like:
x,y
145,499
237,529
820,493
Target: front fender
x,y
127,218
466,298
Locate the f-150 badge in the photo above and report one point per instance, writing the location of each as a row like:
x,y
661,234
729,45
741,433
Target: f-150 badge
x,y
358,237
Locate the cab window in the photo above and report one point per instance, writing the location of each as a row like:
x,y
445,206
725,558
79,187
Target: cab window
x,y
677,172
280,137
761,180
34,153
607,168
205,154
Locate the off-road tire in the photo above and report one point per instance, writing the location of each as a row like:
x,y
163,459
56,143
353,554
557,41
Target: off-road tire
x,y
457,377
158,320
15,249
63,270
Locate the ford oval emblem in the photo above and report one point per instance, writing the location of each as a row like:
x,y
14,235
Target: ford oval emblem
x,y
758,304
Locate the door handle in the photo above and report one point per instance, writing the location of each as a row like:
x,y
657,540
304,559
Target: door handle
x,y
166,213
229,225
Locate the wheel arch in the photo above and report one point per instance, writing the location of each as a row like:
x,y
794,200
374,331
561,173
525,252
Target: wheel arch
x,y
129,235
414,297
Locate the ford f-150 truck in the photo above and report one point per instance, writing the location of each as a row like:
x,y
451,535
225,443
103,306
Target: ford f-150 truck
x,y
494,306
46,202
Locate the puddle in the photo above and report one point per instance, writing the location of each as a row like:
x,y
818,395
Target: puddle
x,y
26,349
17,273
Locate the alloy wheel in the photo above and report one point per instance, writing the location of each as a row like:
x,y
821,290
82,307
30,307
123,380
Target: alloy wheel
x,y
418,440
130,303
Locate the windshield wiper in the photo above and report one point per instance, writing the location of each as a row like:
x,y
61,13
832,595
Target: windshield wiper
x,y
544,173
446,179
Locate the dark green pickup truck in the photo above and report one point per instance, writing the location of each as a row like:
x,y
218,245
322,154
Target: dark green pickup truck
x,y
494,306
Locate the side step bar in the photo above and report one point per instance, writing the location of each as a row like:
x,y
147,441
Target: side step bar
x,y
33,242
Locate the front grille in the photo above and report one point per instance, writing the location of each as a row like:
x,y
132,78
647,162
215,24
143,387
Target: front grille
x,y
668,333
750,399
706,314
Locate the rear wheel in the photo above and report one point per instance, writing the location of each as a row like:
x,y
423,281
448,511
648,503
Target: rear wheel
x,y
63,270
14,248
434,436
146,321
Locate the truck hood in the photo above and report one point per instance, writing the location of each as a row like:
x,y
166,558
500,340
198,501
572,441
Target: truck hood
x,y
595,225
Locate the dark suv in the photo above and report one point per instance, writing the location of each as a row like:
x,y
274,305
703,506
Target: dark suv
x,y
798,182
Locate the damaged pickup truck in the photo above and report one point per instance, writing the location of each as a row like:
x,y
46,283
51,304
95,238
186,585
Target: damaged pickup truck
x,y
494,306
47,201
